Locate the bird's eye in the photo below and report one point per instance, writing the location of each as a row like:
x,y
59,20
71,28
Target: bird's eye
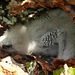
x,y
6,46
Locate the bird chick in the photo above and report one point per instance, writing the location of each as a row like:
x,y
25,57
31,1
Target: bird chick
x,y
51,34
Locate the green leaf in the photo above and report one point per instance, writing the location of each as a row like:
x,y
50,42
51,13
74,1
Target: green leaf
x,y
42,73
57,72
28,64
30,67
71,71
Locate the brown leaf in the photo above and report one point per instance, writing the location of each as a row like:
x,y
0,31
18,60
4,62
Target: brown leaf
x,y
67,5
3,53
19,58
70,62
58,63
44,64
36,70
